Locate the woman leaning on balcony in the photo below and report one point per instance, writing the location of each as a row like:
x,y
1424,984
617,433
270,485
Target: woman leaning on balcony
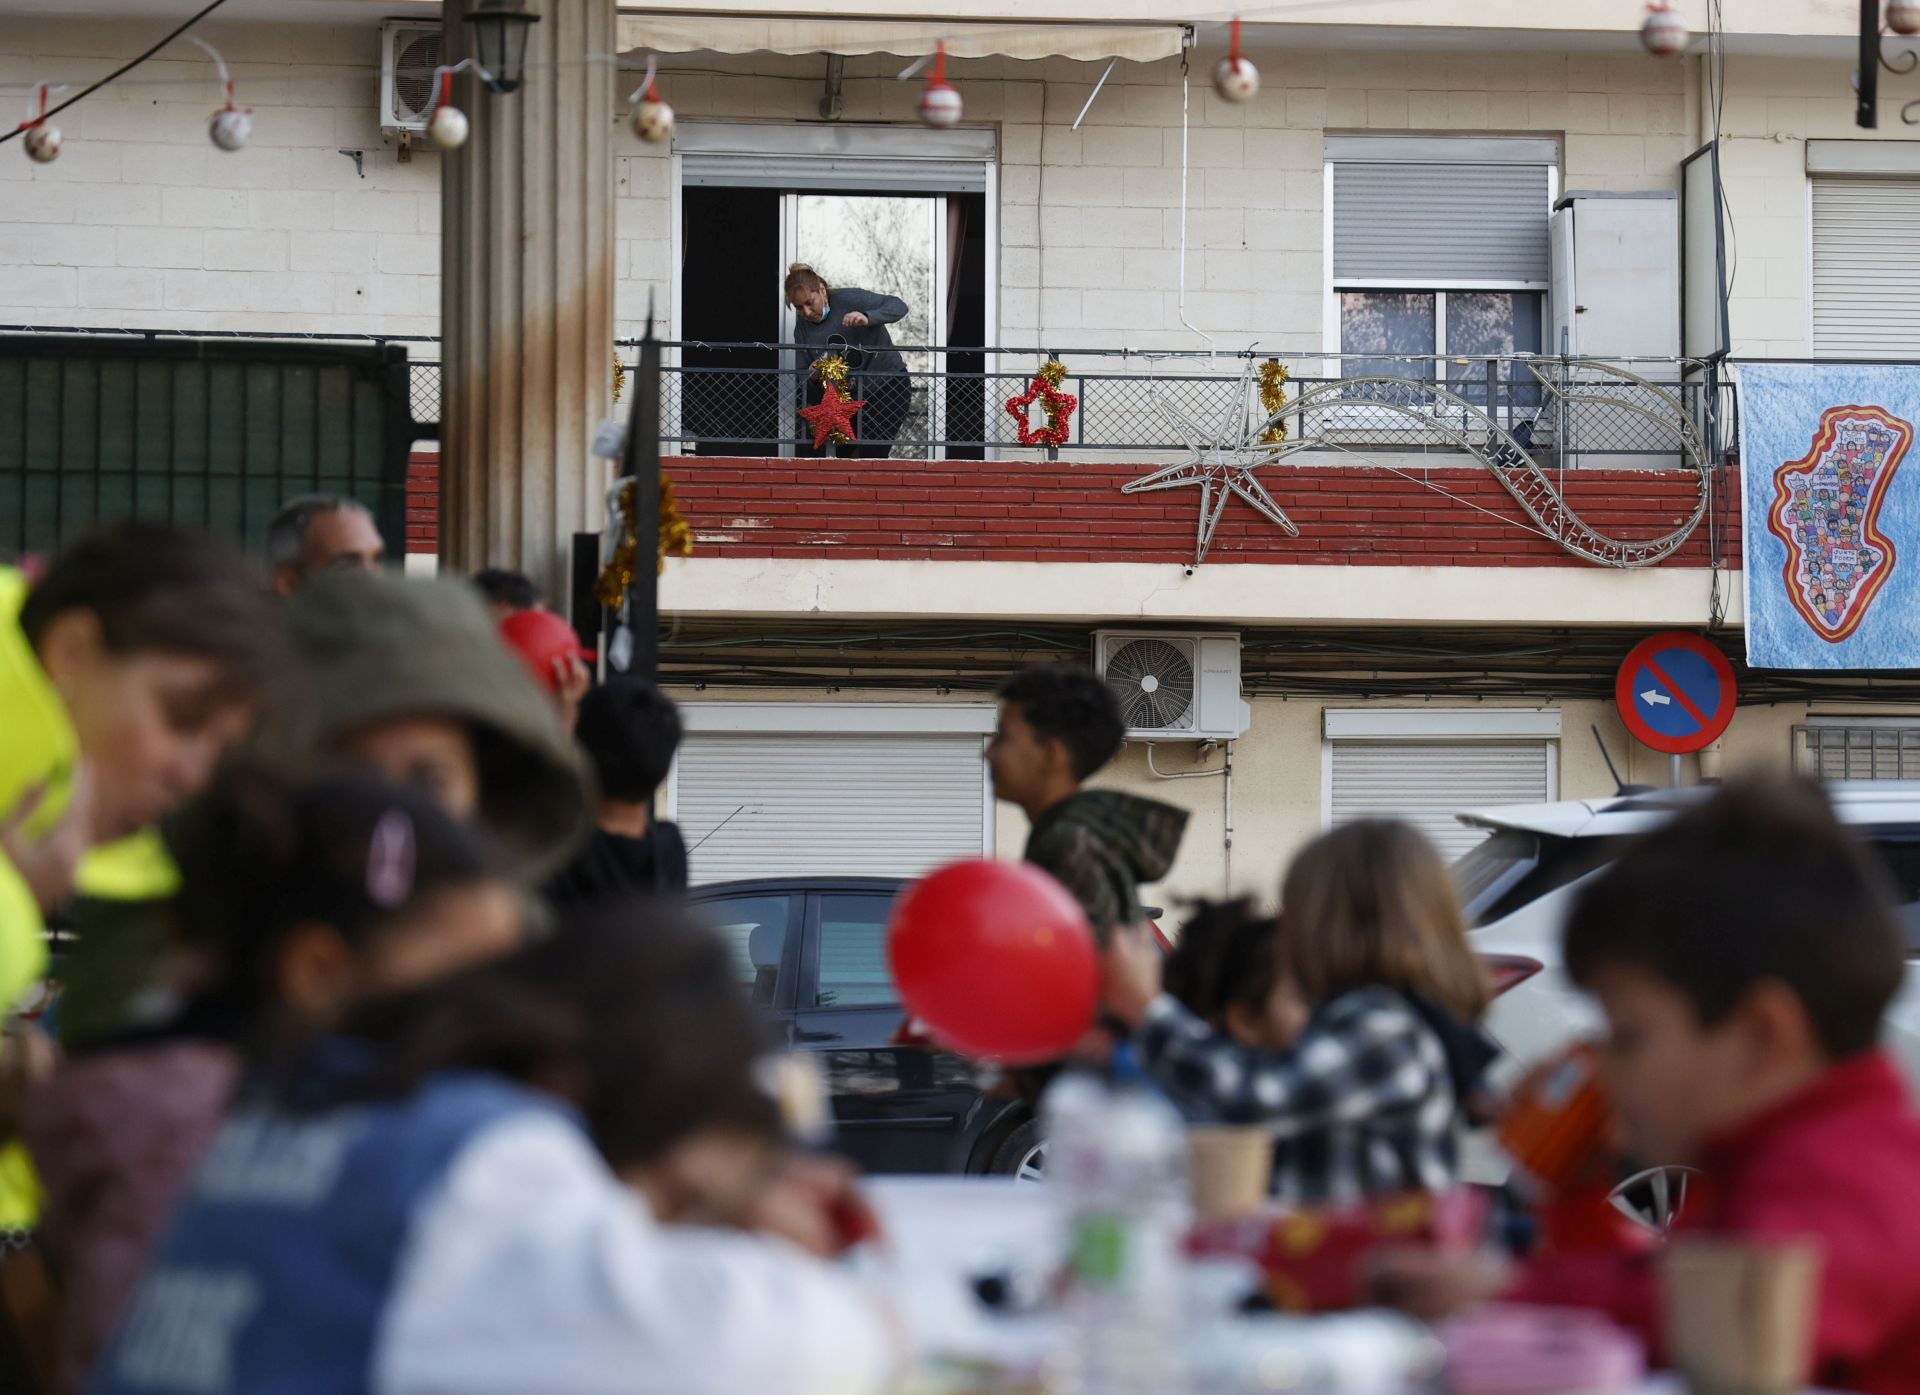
x,y
858,321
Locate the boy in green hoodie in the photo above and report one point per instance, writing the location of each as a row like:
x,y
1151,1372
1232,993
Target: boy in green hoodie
x,y
1059,725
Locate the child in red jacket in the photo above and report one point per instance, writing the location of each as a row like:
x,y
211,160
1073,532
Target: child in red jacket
x,y
1745,954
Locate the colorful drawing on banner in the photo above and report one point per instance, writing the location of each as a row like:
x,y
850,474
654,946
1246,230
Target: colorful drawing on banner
x,y
1826,509
1830,510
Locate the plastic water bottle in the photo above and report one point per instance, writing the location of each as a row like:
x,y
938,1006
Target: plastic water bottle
x,y
1116,1156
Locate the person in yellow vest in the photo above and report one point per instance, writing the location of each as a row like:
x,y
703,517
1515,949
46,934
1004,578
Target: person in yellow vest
x,y
125,672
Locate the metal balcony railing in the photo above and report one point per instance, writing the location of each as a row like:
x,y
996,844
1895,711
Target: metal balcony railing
x,y
743,398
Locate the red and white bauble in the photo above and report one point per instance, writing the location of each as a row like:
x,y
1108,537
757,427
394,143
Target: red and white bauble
x,y
43,144
448,128
652,119
1664,33
230,127
1903,16
940,104
1235,78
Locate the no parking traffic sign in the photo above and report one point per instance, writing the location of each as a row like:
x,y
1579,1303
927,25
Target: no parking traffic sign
x,y
1675,692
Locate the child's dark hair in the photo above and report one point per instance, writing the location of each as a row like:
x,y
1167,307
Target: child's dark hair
x,y
261,853
1071,705
630,730
671,1040
159,589
1227,953
503,587
1758,884
632,1012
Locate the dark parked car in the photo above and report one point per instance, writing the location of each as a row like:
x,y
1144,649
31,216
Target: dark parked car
x,y
812,950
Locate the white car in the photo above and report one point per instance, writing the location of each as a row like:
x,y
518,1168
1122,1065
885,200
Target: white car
x,y
1519,885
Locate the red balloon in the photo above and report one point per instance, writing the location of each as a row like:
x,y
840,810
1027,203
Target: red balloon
x,y
539,637
997,959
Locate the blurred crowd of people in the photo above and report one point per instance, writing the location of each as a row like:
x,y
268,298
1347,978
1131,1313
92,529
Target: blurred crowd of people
x,y
385,1058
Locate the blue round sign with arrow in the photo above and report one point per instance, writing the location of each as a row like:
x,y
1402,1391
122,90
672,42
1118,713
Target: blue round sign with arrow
x,y
1676,692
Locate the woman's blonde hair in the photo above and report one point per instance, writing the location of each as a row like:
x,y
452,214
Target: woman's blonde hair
x,y
1371,903
801,277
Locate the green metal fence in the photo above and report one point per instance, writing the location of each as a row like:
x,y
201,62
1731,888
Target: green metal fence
x,y
217,433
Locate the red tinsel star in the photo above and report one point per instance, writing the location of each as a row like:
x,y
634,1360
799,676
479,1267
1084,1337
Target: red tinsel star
x,y
832,416
1059,409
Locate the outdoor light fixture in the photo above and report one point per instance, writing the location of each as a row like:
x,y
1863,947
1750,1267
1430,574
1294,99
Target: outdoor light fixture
x,y
500,42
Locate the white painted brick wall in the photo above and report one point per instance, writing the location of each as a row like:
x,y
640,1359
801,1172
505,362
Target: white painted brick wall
x,y
142,223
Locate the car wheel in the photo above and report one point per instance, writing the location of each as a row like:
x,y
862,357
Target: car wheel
x,y
1022,1155
1653,1198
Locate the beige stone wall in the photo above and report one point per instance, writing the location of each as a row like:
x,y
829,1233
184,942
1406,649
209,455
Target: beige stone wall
x,y
1278,778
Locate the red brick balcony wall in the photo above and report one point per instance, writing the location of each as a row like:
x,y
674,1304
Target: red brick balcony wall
x,y
1035,510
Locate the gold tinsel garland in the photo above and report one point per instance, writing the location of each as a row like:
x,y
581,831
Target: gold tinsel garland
x,y
619,378
676,540
1055,372
1273,397
832,369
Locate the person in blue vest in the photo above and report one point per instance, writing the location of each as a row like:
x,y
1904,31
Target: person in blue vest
x,y
297,900
492,1184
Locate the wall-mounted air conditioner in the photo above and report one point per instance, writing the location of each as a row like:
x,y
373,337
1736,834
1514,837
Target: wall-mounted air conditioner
x,y
408,55
1174,686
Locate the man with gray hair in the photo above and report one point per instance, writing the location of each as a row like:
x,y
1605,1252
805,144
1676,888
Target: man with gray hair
x,y
321,532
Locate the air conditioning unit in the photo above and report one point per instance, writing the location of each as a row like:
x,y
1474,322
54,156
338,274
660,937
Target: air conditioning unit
x,y
1174,686
408,55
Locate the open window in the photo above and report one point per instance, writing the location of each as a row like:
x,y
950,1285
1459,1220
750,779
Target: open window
x,y
902,212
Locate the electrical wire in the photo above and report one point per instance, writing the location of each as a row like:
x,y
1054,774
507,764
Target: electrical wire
x,y
120,71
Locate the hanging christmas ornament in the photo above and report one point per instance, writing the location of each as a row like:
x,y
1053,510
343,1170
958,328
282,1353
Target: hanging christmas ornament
x,y
940,104
1664,33
652,117
1903,16
448,127
229,127
675,540
1273,396
42,141
832,417
1235,78
1056,405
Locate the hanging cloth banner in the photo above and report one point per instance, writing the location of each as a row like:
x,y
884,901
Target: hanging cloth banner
x,y
1831,506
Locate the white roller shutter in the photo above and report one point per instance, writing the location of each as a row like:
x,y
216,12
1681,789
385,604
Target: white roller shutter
x,y
1416,210
787,804
1426,783
834,155
1866,293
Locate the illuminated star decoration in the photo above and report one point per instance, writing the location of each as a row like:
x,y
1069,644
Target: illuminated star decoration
x,y
1224,455
832,417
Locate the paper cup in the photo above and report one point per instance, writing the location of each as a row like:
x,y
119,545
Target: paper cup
x,y
1740,1315
1230,1169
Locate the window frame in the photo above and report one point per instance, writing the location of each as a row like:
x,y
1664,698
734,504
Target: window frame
x,y
1802,752
1438,286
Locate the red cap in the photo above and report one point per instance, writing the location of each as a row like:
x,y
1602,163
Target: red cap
x,y
539,637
